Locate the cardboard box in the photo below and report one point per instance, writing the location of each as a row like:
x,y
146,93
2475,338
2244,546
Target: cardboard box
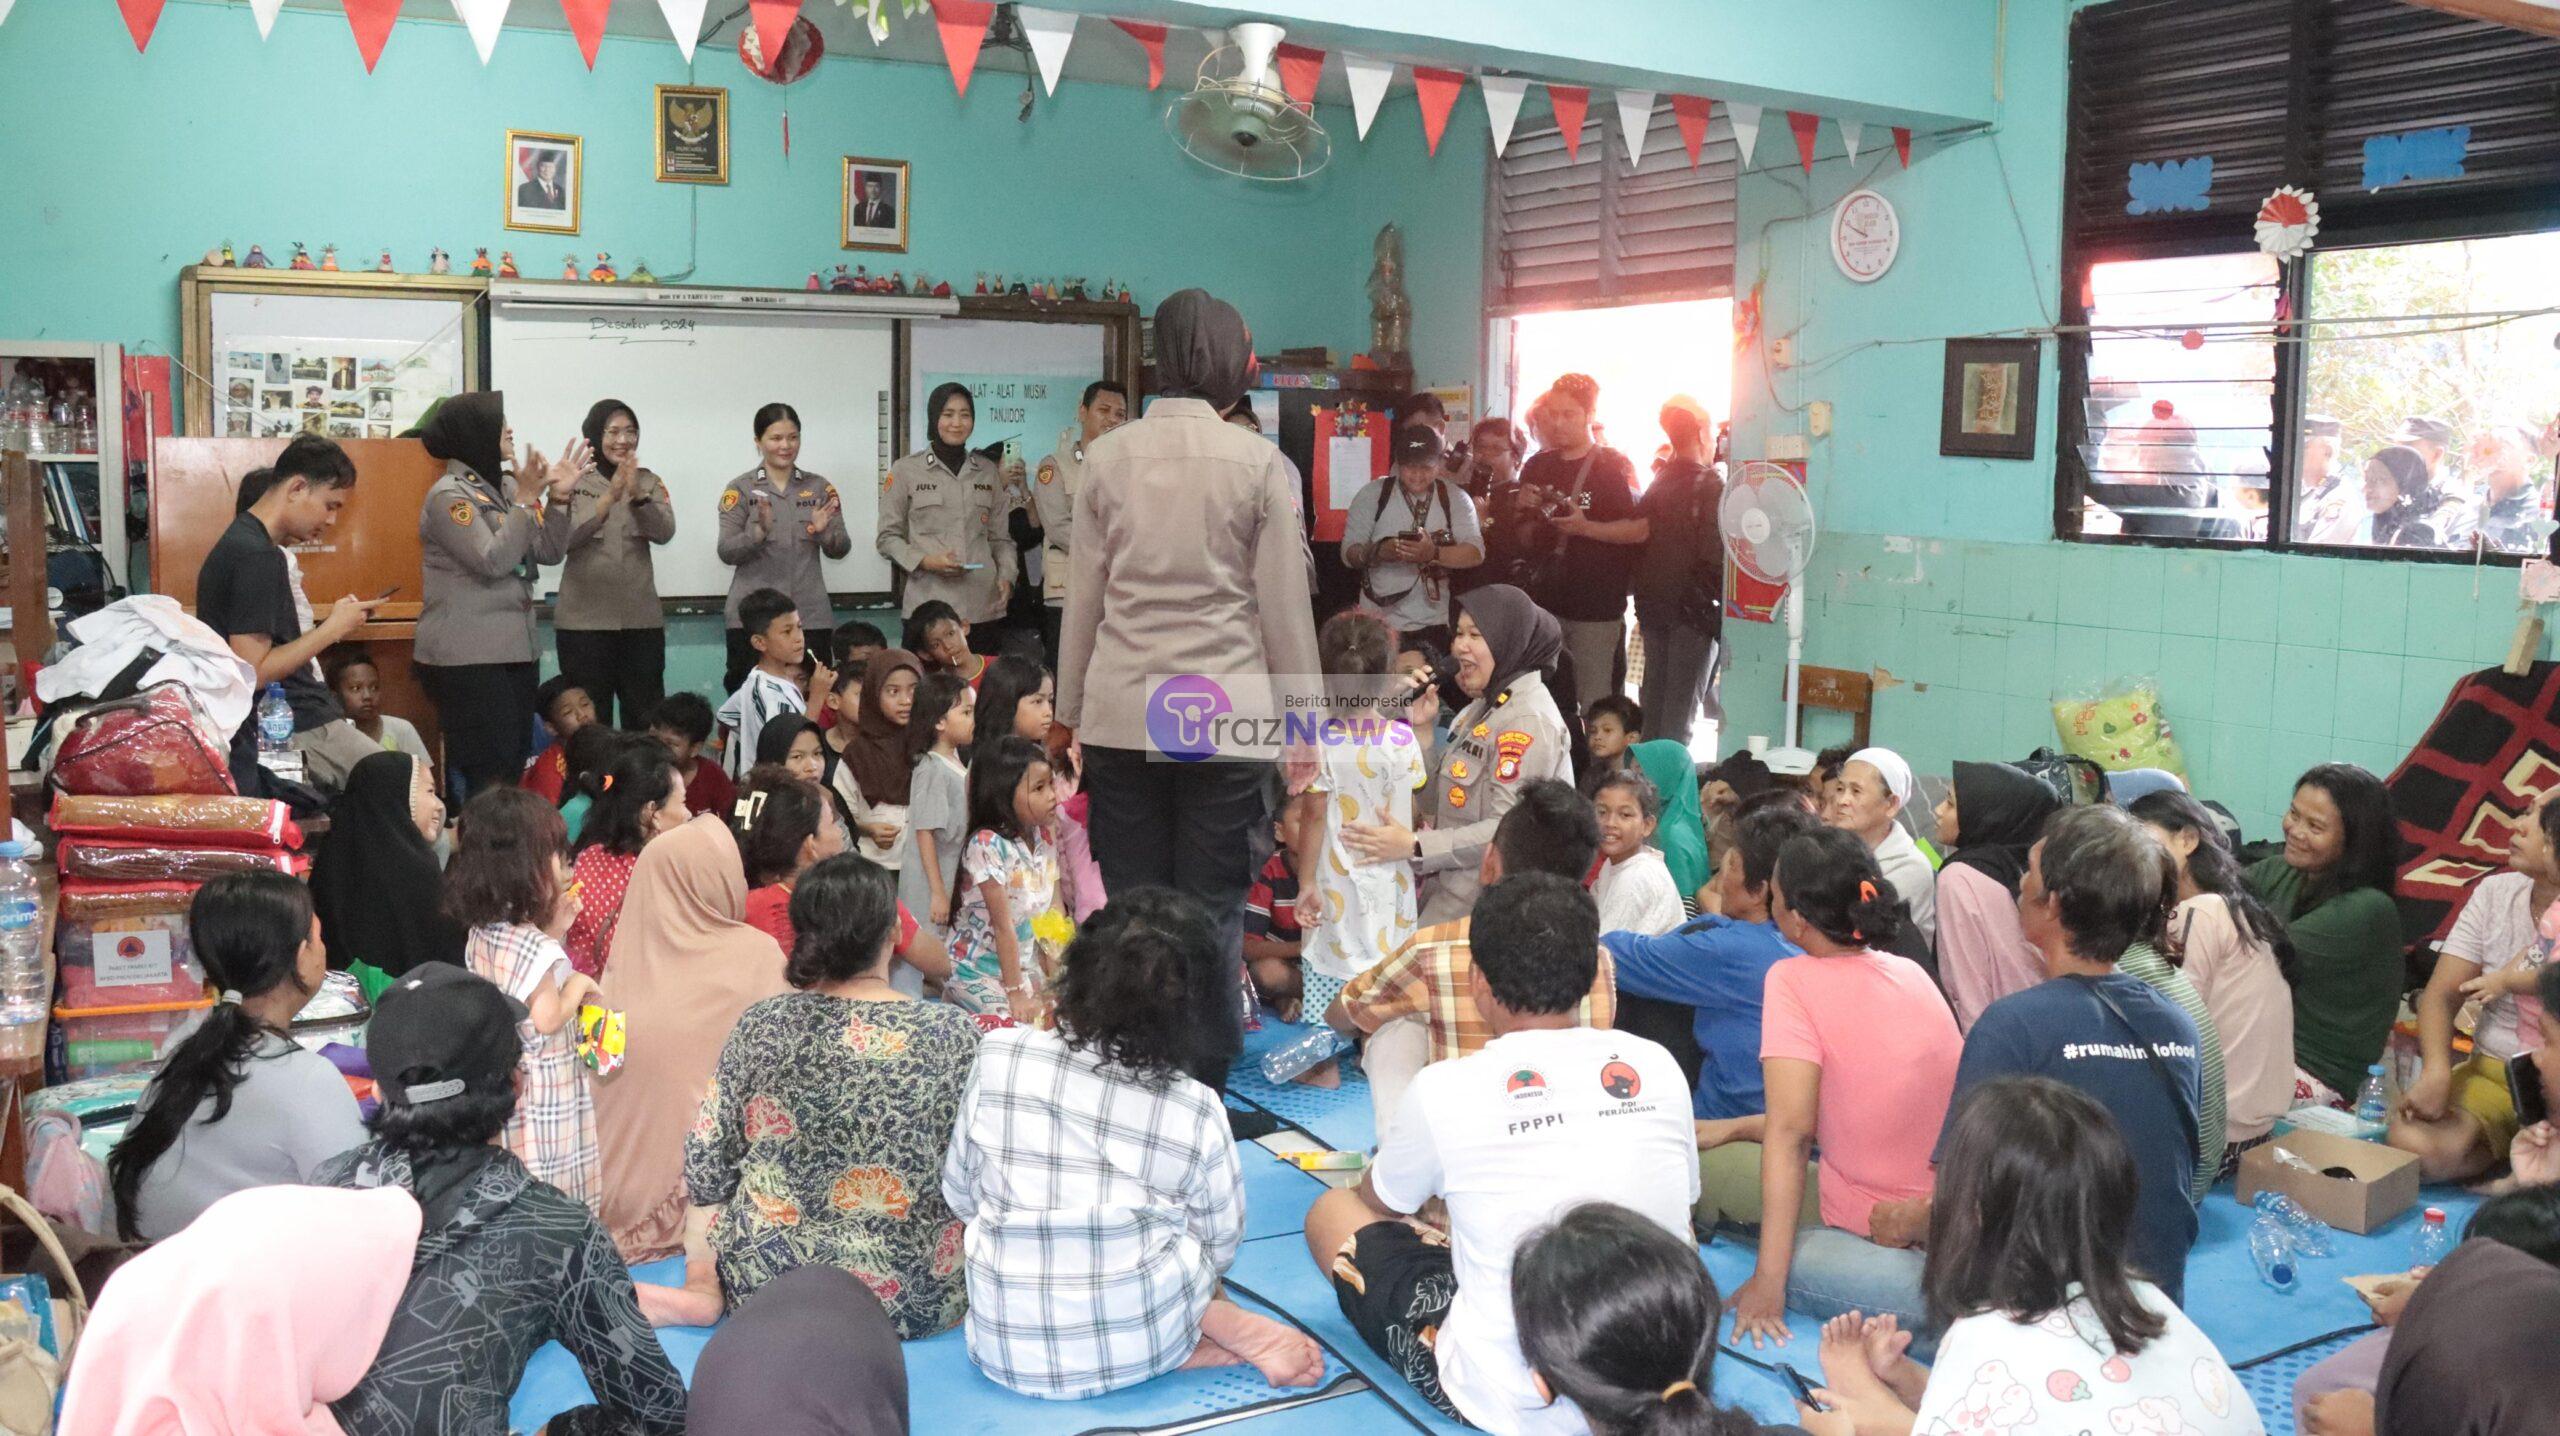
x,y
2384,1184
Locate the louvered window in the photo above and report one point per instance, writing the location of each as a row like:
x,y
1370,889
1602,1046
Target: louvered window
x,y
1569,233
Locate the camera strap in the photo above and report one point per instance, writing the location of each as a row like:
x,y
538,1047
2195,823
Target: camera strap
x,y
1430,581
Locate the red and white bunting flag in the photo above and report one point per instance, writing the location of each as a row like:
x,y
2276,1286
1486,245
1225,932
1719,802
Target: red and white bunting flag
x,y
963,24
1502,95
1902,144
684,21
6,4
1150,38
371,20
1300,66
1852,131
1690,113
1635,122
1049,33
772,19
265,10
1745,120
482,18
1808,130
1368,86
586,21
140,18
1438,92
1572,103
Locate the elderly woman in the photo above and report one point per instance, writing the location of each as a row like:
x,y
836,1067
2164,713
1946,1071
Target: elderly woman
x,y
1868,800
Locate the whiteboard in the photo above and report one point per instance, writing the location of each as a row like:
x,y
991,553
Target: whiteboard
x,y
695,379
1027,377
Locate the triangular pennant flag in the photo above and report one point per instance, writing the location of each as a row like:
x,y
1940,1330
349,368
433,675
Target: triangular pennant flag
x,y
1502,105
1571,103
265,10
1745,120
684,21
586,21
1048,33
140,17
1902,144
963,24
1690,112
772,19
1368,86
371,20
5,4
1808,130
483,17
1852,131
1150,38
1438,92
1635,122
1300,67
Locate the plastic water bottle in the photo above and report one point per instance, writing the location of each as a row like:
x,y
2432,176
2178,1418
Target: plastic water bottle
x,y
1318,1045
275,721
2310,1235
2373,1103
2271,1247
2435,1239
21,939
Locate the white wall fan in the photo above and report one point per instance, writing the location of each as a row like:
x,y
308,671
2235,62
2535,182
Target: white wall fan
x,y
1239,121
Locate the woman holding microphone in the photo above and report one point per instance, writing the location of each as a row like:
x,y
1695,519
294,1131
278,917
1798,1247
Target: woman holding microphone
x,y
776,522
613,634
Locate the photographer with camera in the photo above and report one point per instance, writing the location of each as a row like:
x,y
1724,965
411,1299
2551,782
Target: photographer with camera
x,y
1406,533
1583,533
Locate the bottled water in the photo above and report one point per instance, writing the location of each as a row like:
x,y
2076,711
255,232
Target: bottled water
x,y
2373,1103
2309,1234
22,975
2271,1247
275,721
2434,1241
1318,1045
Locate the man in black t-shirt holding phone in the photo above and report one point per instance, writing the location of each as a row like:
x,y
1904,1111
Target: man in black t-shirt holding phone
x,y
1586,494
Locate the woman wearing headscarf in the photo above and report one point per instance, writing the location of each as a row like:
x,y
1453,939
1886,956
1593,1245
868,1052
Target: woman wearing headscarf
x,y
376,882
1682,835
1868,799
612,633
479,541
812,1355
1510,732
2400,500
249,1320
1189,559
942,519
683,965
1991,815
874,774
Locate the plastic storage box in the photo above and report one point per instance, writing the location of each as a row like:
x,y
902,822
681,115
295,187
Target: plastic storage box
x,y
98,1041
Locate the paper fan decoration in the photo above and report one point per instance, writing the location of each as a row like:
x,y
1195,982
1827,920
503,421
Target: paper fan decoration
x,y
2287,222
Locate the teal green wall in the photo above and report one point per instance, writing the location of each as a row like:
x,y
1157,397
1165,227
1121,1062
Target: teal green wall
x,y
1944,572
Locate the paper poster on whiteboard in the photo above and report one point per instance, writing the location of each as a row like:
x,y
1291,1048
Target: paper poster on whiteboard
x,y
343,388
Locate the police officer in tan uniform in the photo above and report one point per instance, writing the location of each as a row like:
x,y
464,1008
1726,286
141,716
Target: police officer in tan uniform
x,y
610,627
1509,733
776,521
1051,502
478,545
943,521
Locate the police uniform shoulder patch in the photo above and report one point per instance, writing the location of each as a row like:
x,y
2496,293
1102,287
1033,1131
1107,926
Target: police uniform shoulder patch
x,y
832,496
730,499
1509,749
1048,471
460,513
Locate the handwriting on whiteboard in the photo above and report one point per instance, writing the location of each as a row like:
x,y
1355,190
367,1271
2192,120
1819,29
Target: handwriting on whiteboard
x,y
635,329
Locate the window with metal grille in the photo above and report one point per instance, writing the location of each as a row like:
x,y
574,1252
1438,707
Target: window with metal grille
x,y
1564,232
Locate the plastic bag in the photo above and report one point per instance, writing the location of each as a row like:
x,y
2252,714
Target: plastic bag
x,y
89,900
189,820
152,742
2119,726
114,861
126,962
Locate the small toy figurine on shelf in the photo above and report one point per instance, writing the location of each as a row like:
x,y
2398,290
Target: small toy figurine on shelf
x,y
995,282
982,282
257,259
569,268
213,259
897,282
507,265
921,287
439,262
862,279
843,281
603,272
815,282
1075,288
480,262
942,289
329,258
640,274
383,265
301,258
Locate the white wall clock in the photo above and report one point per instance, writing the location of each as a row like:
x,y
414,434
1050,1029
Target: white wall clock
x,y
1866,235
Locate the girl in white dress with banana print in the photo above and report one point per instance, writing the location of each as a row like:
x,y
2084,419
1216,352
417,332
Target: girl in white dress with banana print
x,y
1364,770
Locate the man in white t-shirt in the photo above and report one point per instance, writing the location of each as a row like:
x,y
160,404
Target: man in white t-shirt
x,y
1548,1115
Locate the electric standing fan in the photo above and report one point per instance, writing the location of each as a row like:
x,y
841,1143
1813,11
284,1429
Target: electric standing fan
x,y
1768,528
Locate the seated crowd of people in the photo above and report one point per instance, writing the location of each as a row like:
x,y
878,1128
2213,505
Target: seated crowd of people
x,y
1964,1088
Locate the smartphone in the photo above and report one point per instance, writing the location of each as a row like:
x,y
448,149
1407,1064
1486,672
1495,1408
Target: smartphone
x,y
2524,1085
386,593
1803,1388
971,567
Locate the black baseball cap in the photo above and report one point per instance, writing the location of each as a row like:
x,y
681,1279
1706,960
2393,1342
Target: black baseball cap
x,y
1417,444
439,1032
1743,772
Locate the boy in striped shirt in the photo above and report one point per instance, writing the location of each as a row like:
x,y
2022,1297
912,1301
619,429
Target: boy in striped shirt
x,y
772,687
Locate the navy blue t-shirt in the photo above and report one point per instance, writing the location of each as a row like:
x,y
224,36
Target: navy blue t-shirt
x,y
1717,966
2060,1029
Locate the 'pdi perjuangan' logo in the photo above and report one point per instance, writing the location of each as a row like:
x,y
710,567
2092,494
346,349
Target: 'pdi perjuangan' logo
x,y
1182,717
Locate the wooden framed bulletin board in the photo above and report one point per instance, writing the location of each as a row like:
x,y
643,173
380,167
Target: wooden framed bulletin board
x,y
275,352
1000,340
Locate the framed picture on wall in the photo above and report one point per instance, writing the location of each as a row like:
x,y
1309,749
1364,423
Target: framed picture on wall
x,y
876,196
543,175
1987,408
693,135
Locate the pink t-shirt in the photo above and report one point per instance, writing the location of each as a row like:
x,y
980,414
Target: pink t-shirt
x,y
1983,955
1887,1047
